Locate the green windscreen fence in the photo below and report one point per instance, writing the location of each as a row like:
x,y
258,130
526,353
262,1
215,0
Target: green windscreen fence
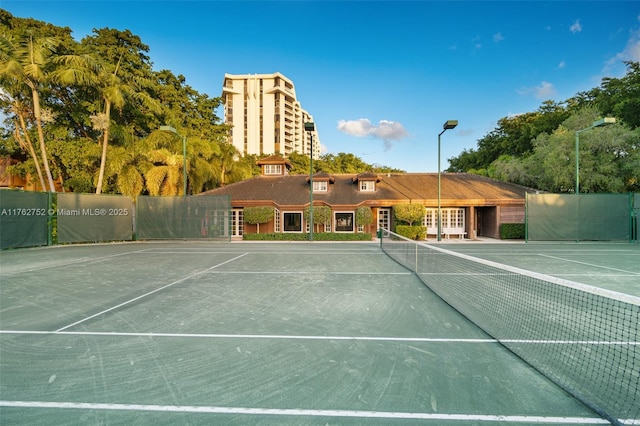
x,y
583,217
23,219
191,217
635,220
93,218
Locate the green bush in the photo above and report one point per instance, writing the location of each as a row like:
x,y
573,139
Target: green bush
x,y
512,231
320,236
409,213
412,232
364,216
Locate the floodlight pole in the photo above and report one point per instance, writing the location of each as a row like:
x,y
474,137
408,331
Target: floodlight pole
x,y
597,123
449,124
184,156
310,127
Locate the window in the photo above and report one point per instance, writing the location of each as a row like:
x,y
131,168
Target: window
x,y
272,169
458,218
292,222
320,186
431,218
451,218
276,220
367,185
344,222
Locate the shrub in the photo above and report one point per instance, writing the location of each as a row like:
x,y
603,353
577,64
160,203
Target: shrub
x,y
412,232
512,231
409,213
320,236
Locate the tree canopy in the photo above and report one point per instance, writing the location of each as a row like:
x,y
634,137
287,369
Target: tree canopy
x,y
85,116
537,149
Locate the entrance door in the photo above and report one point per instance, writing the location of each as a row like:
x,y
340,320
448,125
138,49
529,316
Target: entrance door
x,y
237,223
384,219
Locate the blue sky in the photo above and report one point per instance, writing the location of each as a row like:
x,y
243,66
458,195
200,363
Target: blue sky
x,y
381,77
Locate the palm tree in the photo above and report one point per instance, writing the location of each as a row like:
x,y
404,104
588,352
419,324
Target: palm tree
x,y
165,177
25,63
21,132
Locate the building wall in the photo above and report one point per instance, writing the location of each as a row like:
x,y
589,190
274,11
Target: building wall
x,y
512,214
265,115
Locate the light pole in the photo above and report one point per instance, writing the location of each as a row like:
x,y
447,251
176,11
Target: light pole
x,y
449,124
597,123
310,127
184,156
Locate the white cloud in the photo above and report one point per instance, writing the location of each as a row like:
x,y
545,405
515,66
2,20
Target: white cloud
x,y
386,130
562,64
631,52
545,91
498,37
576,27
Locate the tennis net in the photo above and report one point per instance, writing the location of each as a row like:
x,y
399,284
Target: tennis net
x,y
585,339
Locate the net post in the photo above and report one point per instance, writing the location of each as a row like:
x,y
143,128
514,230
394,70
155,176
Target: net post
x,y
526,217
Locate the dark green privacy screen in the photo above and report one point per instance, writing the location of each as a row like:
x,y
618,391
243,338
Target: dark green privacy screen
x,y
200,216
23,218
583,217
92,218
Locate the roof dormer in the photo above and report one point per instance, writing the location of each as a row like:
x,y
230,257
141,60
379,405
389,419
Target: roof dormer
x,y
321,181
274,165
366,181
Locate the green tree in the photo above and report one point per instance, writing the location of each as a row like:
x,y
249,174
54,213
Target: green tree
x,y
299,163
409,213
609,158
25,62
364,216
514,136
21,133
321,216
120,78
616,97
258,215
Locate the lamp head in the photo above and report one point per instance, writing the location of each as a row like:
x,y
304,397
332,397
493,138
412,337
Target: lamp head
x,y
604,121
450,124
168,129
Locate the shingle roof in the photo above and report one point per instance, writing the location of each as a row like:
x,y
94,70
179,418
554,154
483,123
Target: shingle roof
x,y
394,188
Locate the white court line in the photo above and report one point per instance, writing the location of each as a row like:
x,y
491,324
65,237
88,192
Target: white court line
x,y
310,273
149,293
591,264
305,412
298,337
72,262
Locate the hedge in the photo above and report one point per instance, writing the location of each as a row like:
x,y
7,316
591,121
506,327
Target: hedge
x,y
512,231
317,236
412,232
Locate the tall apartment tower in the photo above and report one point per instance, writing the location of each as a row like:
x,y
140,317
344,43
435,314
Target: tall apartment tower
x,y
265,116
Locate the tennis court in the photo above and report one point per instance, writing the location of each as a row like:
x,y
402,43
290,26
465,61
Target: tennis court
x,y
268,333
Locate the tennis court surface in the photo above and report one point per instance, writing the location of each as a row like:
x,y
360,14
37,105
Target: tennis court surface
x,y
273,333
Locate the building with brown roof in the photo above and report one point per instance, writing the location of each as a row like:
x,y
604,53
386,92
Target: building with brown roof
x,y
471,205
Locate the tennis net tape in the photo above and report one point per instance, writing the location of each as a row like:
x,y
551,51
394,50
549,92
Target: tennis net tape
x,y
585,339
